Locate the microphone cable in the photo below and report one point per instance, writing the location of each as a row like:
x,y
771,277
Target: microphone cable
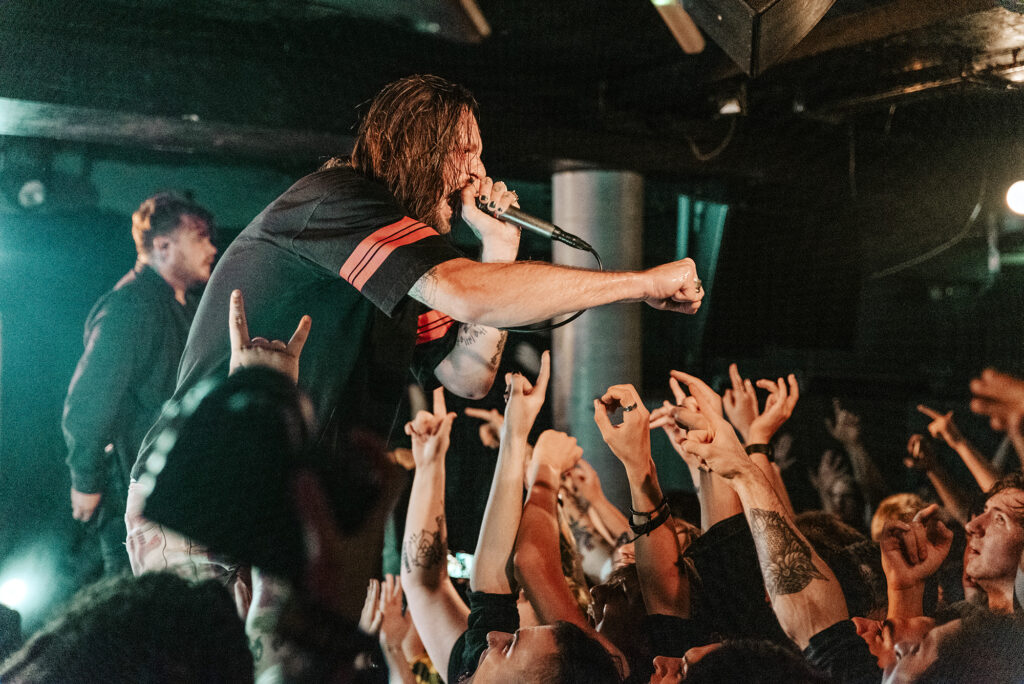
x,y
582,245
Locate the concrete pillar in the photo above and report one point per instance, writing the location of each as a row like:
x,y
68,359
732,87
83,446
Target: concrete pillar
x,y
602,347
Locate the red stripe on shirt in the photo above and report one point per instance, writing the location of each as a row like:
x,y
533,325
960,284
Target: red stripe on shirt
x,y
432,325
374,250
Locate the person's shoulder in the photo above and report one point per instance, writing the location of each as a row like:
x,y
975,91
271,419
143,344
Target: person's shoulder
x,y
345,181
132,296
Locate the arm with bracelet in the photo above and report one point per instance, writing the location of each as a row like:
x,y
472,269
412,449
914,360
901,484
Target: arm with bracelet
x,y
665,587
757,428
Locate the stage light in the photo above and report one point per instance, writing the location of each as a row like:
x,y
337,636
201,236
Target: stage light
x,y
1015,197
13,592
686,33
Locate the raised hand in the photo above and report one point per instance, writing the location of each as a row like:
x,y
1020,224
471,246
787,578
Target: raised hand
x,y
258,351
665,417
720,452
942,425
557,450
84,505
586,483
630,441
525,400
830,469
706,397
999,396
845,427
496,198
784,456
430,432
740,402
921,454
675,287
370,617
394,623
778,408
490,429
912,552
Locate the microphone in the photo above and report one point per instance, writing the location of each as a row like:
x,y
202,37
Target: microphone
x,y
533,224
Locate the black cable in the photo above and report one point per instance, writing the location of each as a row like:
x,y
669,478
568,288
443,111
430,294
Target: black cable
x,y
583,246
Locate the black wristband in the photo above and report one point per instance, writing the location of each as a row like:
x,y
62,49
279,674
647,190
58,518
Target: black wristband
x,y
649,526
649,514
765,449
655,519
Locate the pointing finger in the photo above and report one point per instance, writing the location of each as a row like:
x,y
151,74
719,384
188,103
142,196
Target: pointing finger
x,y
298,339
238,327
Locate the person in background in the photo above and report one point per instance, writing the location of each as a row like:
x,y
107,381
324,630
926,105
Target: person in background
x,y
134,337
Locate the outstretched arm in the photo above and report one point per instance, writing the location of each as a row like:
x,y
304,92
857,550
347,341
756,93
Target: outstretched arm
x,y
942,426
920,456
438,613
845,428
758,427
505,295
805,595
537,560
495,544
538,564
665,589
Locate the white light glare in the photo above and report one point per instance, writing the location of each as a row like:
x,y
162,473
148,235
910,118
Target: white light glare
x,y
13,592
1015,197
730,106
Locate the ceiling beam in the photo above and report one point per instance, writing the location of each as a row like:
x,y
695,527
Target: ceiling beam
x,y
188,134
877,23
900,16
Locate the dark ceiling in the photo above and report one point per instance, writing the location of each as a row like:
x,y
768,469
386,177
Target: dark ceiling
x,y
888,114
601,80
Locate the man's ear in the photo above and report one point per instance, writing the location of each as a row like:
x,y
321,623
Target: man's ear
x,y
161,247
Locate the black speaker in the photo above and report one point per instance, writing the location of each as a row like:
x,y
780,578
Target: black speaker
x,y
756,33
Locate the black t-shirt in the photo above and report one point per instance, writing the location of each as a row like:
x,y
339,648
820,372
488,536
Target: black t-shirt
x,y
338,247
840,653
731,601
487,613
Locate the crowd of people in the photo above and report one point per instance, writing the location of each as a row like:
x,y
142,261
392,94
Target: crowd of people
x,y
256,514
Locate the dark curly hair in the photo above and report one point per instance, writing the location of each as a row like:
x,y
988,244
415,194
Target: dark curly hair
x,y
154,628
406,137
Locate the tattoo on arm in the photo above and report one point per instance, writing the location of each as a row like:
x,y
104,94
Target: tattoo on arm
x,y
424,289
583,534
786,560
470,333
496,357
425,549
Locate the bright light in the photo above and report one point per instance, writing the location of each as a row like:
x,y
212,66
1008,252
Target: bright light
x,y
1015,197
13,592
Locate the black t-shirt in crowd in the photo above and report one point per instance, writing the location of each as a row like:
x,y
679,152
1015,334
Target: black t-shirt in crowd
x,y
338,247
487,613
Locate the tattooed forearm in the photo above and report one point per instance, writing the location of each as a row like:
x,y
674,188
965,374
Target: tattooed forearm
x,y
496,357
424,289
469,333
583,535
425,549
786,560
